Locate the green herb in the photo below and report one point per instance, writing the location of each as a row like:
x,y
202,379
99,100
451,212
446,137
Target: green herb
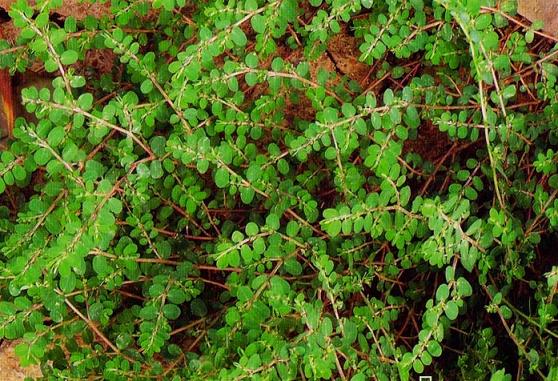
x,y
228,202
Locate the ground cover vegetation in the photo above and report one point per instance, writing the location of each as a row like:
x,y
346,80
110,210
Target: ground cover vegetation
x,y
230,199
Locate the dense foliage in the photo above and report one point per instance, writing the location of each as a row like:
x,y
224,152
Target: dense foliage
x,y
222,204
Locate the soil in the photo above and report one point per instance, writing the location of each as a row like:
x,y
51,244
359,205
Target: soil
x,y
343,51
543,10
10,370
78,9
430,143
341,57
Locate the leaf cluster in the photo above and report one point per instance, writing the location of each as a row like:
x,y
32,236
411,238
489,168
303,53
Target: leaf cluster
x,y
222,204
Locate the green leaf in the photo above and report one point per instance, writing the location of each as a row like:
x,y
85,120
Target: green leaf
x,y
146,86
100,265
272,221
292,228
158,144
418,366
333,228
500,375
434,348
68,283
156,169
238,37
283,166
198,307
351,332
251,229
233,258
55,136
69,57
85,101
331,223
77,81
258,23
221,177
464,288
19,173
348,110
451,309
42,156
251,5
244,293
247,195
148,312
293,267
176,296
367,3
115,205
358,377
473,6
469,258
251,60
251,79
388,97
171,311
50,65
443,292
509,92
202,166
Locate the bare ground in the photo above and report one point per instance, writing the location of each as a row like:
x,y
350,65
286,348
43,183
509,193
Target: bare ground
x,y
10,370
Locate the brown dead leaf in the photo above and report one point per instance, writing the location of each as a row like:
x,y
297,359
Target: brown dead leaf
x,y
8,31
